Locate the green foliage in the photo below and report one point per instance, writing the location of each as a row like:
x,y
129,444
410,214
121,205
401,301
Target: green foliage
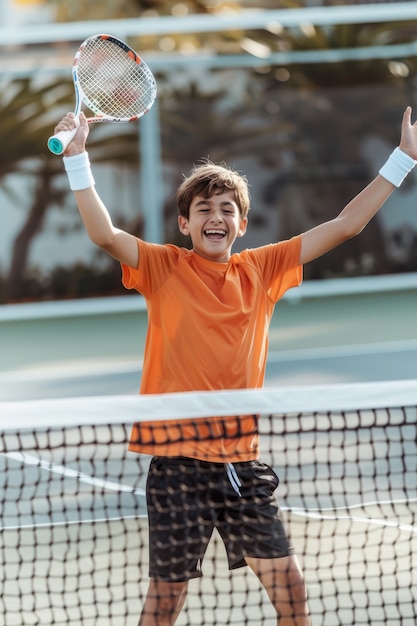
x,y
314,115
26,121
82,281
73,281
276,37
73,10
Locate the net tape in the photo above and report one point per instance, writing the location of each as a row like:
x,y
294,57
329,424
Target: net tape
x,y
74,529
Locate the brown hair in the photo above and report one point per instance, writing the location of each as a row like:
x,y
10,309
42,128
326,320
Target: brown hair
x,y
208,179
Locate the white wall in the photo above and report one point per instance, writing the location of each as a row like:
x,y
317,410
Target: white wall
x,y
19,12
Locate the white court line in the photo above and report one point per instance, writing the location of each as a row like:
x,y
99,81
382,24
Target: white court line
x,y
69,370
93,520
322,515
312,513
85,369
61,470
382,347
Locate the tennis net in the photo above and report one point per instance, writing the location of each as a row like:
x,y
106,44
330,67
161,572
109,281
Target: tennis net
x,y
74,539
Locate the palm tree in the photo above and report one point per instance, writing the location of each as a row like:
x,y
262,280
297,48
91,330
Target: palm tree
x,y
322,110
24,127
26,121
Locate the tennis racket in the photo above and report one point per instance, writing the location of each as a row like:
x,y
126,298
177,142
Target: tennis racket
x,y
112,81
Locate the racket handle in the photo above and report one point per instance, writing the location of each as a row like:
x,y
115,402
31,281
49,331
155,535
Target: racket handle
x,y
57,143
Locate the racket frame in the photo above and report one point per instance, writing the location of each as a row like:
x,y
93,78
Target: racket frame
x,y
58,142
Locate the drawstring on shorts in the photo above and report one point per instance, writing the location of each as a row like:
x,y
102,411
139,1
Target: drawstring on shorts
x,y
233,477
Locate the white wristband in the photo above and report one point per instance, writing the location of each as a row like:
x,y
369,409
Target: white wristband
x,y
397,167
79,171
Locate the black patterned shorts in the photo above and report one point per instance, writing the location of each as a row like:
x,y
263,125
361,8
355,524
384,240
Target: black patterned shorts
x,y
187,499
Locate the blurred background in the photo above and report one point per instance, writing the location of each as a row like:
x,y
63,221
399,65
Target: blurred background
x,y
306,100
304,97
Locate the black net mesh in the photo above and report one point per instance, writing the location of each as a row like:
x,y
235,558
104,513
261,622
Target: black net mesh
x,y
74,528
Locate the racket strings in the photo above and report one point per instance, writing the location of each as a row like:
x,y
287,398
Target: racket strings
x,y
113,83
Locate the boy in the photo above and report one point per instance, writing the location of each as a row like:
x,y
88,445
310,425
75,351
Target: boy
x,y
209,313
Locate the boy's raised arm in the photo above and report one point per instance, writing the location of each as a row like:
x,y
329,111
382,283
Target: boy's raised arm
x,y
96,218
356,215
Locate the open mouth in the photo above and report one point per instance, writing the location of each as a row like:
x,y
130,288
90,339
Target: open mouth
x,y
214,233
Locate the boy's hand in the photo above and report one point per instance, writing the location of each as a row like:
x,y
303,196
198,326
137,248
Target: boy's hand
x,y
68,122
408,142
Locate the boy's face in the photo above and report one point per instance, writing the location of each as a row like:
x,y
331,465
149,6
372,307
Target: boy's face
x,y
214,224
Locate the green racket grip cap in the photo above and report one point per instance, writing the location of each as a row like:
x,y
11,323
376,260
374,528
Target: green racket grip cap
x,y
55,145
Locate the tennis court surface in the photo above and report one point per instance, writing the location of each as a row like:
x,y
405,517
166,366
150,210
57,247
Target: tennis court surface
x,y
333,331
74,530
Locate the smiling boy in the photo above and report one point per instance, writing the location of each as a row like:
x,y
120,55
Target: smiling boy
x,y
209,312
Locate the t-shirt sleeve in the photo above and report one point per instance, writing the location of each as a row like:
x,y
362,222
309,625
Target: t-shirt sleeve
x,y
156,262
279,266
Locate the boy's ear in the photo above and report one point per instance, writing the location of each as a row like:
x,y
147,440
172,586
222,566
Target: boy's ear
x,y
242,228
183,225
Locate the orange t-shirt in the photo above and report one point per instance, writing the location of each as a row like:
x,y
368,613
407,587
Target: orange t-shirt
x,y
208,328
